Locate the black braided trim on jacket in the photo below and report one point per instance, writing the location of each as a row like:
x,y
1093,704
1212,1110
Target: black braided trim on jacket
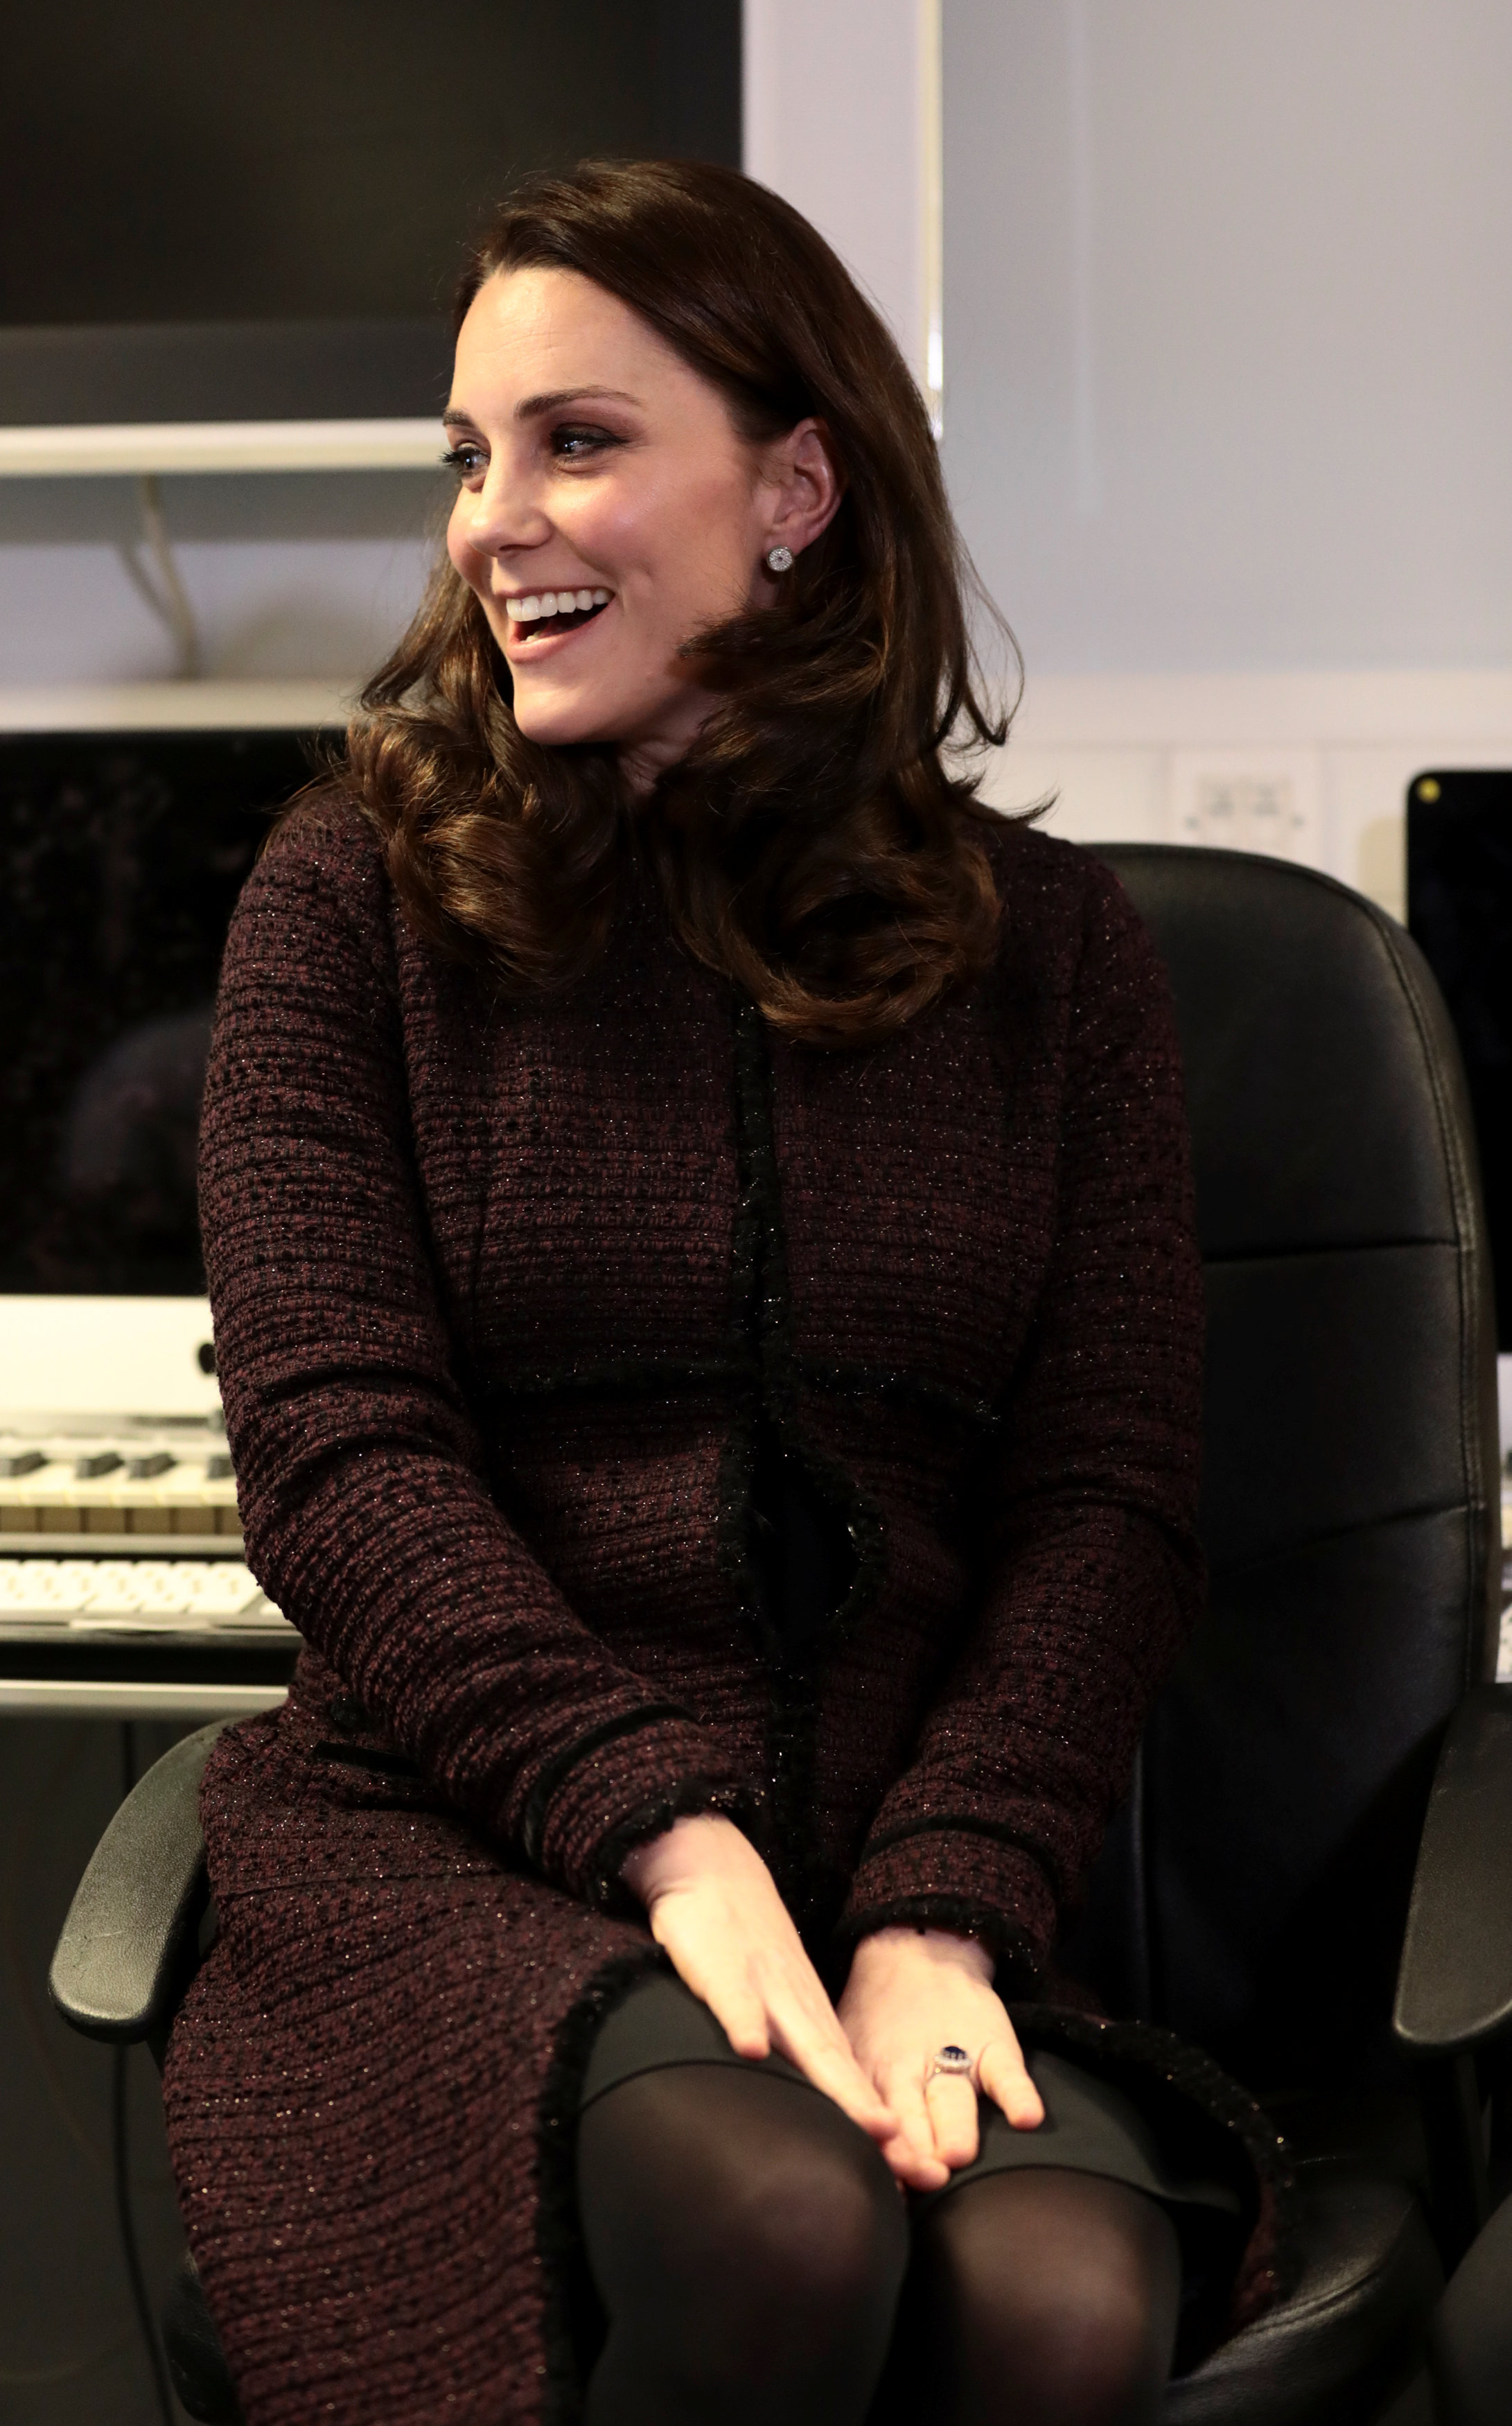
x,y
562,1763
997,1831
686,1799
1013,1957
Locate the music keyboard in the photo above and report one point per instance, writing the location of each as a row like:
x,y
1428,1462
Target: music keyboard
x,y
115,1486
135,1595
123,1586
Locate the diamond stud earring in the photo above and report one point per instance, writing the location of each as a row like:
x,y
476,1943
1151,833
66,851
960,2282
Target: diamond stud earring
x,y
779,560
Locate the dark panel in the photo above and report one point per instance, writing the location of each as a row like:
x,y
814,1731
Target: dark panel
x,y
318,158
1258,1881
72,2344
698,80
1305,1015
1334,1388
1287,1769
236,370
120,858
1459,908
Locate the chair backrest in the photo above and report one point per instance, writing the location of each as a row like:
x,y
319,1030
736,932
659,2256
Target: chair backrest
x,y
1252,1895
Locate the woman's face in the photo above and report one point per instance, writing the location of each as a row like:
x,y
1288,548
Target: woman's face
x,y
609,510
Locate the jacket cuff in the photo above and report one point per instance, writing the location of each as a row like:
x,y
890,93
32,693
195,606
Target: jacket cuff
x,y
619,1786
957,1878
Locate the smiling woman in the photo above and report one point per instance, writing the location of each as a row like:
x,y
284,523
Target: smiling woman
x,y
698,1228
665,382
644,483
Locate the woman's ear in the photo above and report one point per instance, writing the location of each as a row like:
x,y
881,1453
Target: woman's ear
x,y
803,486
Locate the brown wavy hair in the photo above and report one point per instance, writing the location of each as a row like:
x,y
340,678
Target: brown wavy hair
x,y
811,847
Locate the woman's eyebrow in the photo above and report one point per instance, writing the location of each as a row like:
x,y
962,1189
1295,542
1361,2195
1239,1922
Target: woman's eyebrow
x,y
555,397
551,400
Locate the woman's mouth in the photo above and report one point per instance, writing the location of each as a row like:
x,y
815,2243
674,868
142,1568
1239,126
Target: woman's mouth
x,y
538,613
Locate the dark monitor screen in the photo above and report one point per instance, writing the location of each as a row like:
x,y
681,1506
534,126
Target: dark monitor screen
x,y
238,213
122,855
1460,909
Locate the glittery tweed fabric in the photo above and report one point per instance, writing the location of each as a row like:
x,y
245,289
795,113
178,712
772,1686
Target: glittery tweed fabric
x,y
507,1299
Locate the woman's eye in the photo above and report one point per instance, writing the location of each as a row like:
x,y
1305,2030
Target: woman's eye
x,y
465,459
573,440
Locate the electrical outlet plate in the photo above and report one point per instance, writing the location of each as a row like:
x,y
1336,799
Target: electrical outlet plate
x,y
1266,800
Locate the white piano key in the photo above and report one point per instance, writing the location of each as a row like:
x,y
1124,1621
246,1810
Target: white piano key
x,y
203,1595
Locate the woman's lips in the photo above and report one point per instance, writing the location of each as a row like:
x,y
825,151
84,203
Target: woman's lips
x,y
542,619
544,636
540,606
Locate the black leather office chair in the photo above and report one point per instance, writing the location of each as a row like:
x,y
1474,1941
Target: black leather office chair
x,y
1255,1895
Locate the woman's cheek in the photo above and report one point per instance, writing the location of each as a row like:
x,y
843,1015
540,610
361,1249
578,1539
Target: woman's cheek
x,y
465,559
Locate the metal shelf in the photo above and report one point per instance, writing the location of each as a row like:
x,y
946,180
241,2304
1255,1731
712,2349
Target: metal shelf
x,y
68,1697
121,1545
146,448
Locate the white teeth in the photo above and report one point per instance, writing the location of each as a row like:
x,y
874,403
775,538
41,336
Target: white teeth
x,y
553,601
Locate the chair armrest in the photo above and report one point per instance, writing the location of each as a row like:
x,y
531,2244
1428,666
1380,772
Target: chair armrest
x,y
1453,1989
120,1963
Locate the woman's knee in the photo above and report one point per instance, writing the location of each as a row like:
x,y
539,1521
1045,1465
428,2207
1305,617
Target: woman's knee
x,y
1053,2298
820,2229
747,2208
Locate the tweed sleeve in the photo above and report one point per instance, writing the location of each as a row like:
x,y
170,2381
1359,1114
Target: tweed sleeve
x,y
361,1475
1093,1575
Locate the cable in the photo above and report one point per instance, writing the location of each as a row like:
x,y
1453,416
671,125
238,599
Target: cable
x,y
120,2156
163,589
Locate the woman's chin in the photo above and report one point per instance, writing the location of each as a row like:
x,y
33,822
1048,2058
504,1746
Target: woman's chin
x,y
556,723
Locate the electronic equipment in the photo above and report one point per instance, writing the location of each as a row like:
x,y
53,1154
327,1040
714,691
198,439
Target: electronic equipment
x,y
264,213
1459,910
121,1551
122,856
122,1575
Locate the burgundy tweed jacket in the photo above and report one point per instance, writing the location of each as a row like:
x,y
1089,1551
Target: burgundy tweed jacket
x,y
501,1293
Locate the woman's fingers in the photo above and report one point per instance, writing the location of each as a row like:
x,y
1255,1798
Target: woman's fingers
x,y
740,2016
912,2153
950,2099
828,2063
775,2000
722,1985
1004,2078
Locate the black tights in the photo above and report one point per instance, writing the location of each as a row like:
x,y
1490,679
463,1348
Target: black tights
x,y
758,2268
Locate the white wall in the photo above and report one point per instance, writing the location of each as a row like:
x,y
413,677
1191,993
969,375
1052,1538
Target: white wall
x,y
1229,327
837,95
265,610
288,575
1228,348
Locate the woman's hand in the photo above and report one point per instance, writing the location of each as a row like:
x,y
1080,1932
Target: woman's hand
x,y
910,1993
713,1904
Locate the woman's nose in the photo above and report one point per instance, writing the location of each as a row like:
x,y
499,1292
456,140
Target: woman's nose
x,y
503,513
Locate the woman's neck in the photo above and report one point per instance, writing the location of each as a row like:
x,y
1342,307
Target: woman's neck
x,y
643,763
